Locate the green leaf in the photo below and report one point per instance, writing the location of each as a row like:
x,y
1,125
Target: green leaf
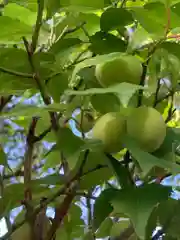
x,y
22,14
147,161
121,172
88,236
102,206
83,3
152,222
160,8
3,157
63,44
30,110
57,85
167,145
170,218
53,179
138,203
14,194
138,38
15,27
113,18
106,43
14,84
119,227
67,142
95,171
112,103
52,160
75,225
172,47
9,56
52,7
124,90
105,228
152,22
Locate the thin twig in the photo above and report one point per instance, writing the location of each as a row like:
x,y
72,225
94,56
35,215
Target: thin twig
x,y
156,93
171,111
144,72
20,173
15,73
142,83
72,30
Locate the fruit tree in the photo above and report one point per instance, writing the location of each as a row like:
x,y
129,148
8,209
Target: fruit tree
x,y
89,119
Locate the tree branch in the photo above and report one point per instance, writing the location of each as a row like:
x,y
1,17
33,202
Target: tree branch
x,y
4,101
61,191
62,209
35,36
28,160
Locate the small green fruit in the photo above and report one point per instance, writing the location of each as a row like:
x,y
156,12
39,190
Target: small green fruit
x,y
126,68
87,122
147,127
110,129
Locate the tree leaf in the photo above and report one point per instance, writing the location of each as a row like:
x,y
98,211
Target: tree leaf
x,y
172,47
83,3
22,14
102,206
120,172
15,27
57,85
3,157
153,7
106,43
14,194
95,171
152,22
119,227
124,90
105,228
114,18
52,160
68,142
112,103
147,161
167,145
52,7
139,207
53,179
63,44
169,219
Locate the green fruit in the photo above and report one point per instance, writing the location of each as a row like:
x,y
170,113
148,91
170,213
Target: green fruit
x,y
87,122
110,129
147,127
126,68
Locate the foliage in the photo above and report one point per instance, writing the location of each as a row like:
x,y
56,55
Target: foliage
x,y
49,50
